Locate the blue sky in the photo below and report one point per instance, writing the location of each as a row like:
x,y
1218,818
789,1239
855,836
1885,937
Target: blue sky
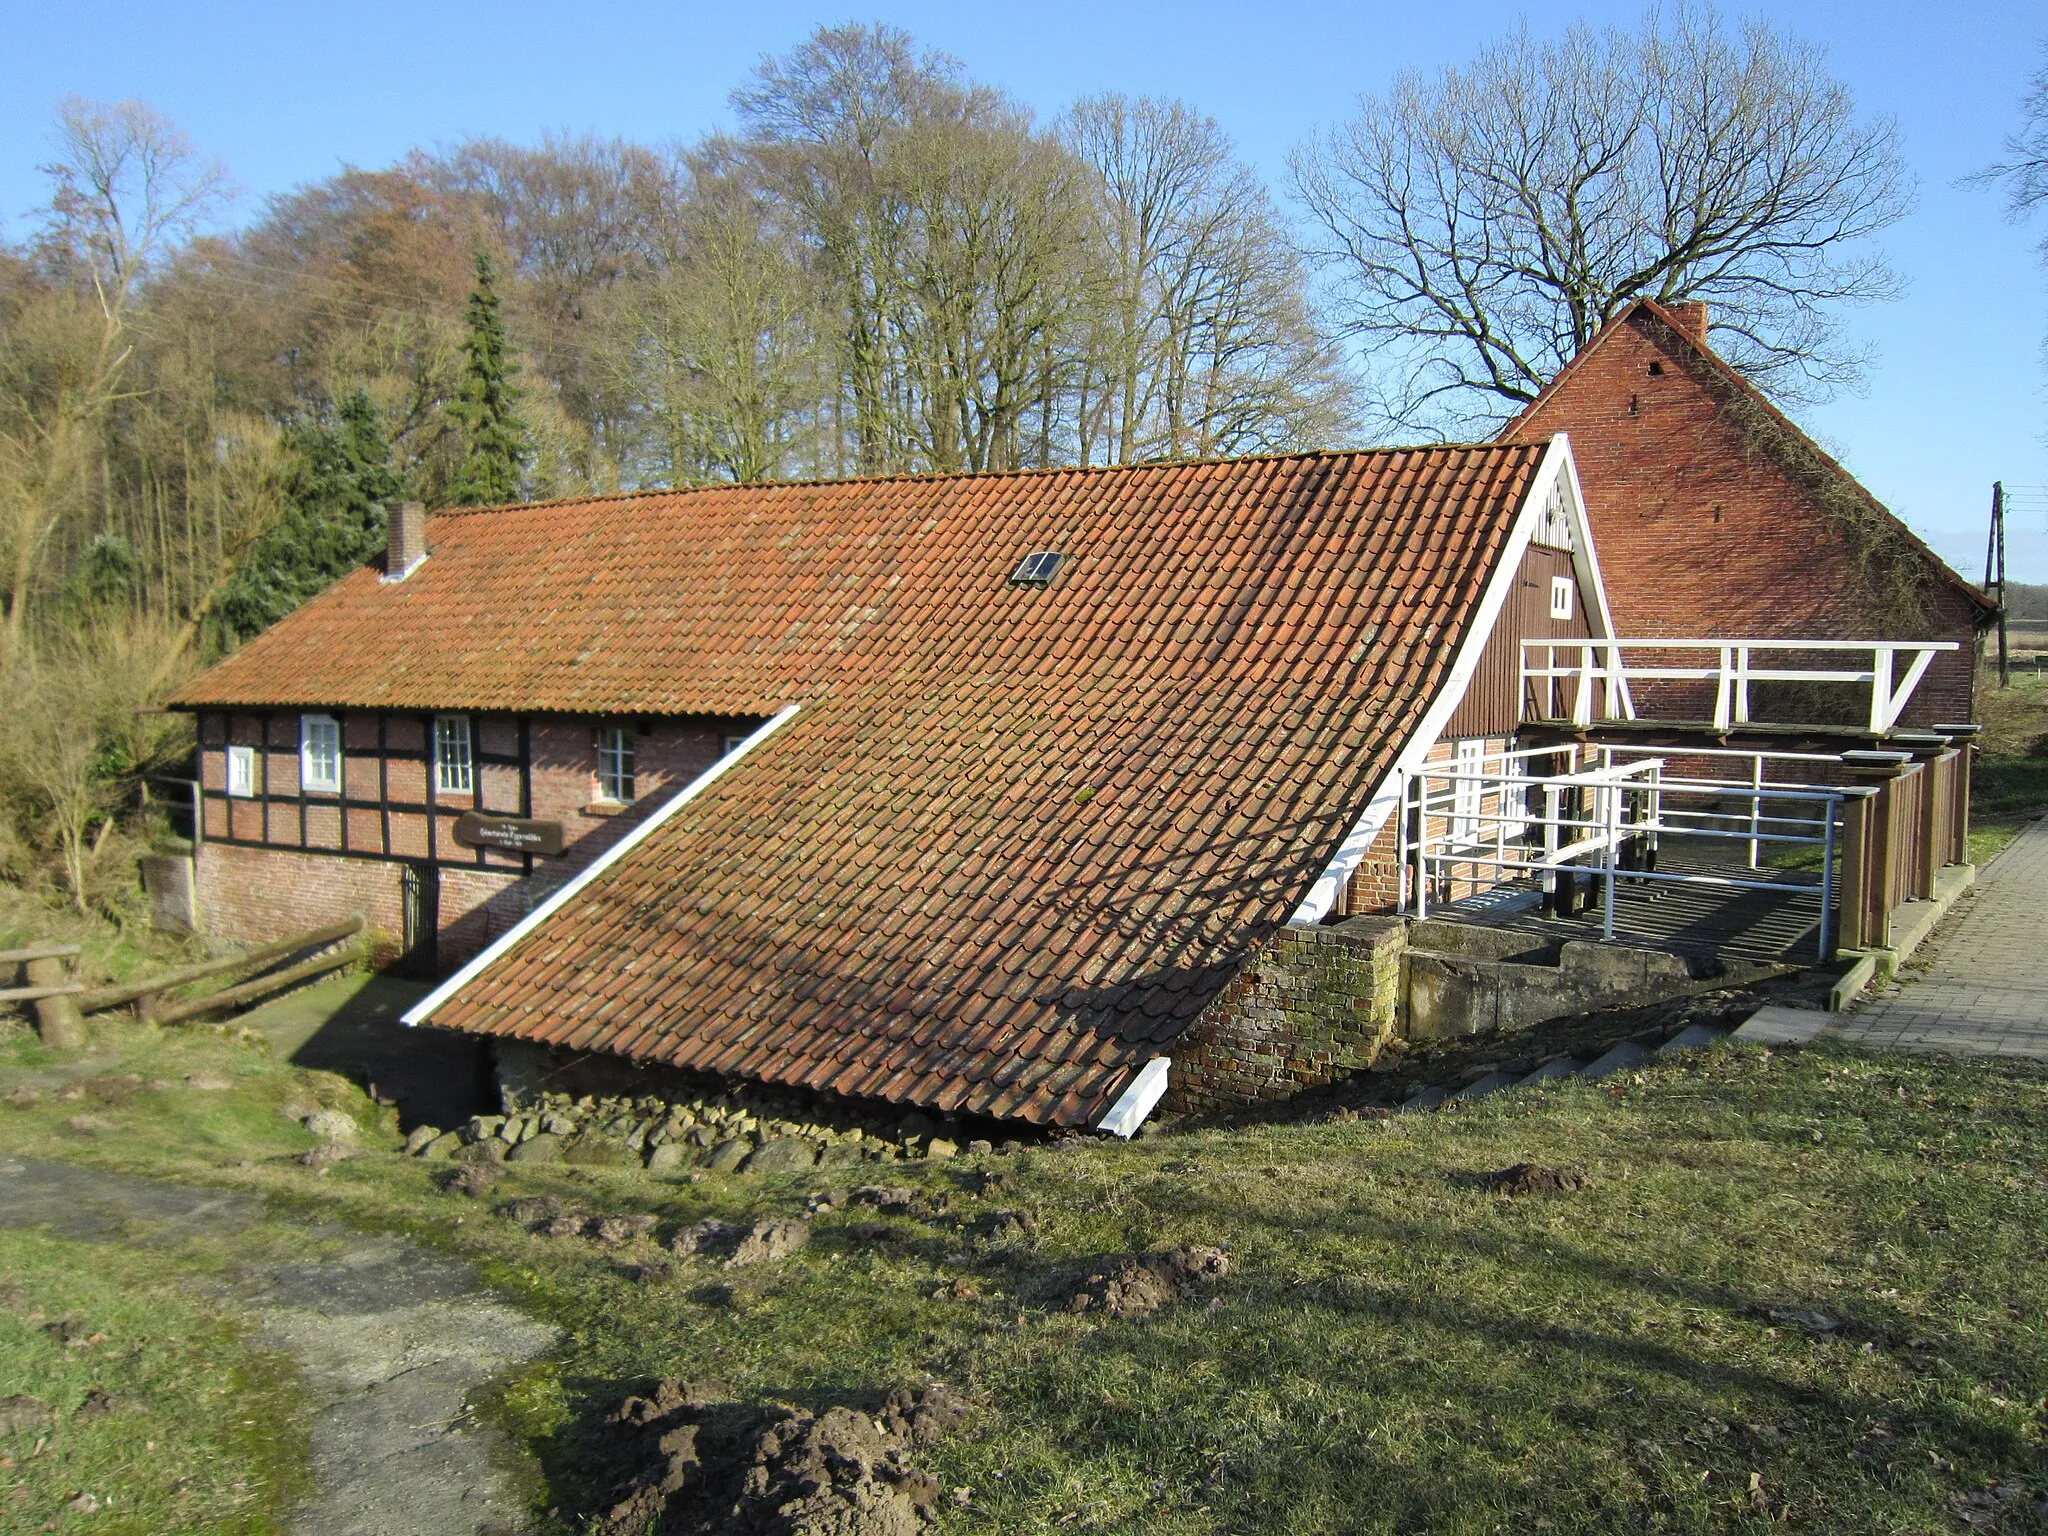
x,y
286,92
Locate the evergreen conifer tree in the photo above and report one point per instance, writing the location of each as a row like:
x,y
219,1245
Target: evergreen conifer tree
x,y
341,485
495,446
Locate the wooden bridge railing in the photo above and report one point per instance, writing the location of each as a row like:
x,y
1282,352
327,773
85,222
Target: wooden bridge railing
x,y
1895,841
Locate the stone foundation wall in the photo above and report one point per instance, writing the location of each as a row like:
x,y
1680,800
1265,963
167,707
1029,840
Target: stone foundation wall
x,y
1316,1005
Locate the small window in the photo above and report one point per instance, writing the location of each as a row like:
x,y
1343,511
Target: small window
x,y
1037,570
1564,594
454,771
615,763
320,754
242,772
734,743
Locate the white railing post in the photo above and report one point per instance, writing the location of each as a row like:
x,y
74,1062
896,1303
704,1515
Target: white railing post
x,y
1756,806
1550,802
1742,685
1422,845
1401,901
1880,689
1610,820
1721,704
1613,682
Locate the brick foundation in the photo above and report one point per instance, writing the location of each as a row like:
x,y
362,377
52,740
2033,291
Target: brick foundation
x,y
254,895
1314,1005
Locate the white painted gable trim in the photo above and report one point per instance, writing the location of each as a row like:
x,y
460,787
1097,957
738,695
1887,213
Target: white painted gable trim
x,y
421,1011
1556,469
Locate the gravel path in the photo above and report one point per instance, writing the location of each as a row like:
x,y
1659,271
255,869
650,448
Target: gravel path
x,y
390,1339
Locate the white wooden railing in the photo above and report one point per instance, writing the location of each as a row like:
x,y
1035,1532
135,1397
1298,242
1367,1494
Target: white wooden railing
x,y
1597,675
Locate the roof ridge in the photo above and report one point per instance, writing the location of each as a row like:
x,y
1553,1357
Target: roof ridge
x,y
929,476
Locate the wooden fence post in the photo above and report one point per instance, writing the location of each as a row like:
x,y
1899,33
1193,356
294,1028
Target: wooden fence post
x,y
57,1018
1852,898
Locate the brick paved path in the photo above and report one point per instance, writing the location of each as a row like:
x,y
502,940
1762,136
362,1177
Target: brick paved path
x,y
1987,991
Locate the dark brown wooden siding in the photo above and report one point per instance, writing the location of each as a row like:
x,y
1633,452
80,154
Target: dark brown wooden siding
x,y
1492,706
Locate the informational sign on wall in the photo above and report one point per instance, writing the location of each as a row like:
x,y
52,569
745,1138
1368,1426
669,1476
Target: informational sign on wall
x,y
508,834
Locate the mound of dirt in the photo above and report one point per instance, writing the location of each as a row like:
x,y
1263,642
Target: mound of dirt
x,y
772,1238
765,1241
474,1179
894,1200
1139,1285
21,1412
1531,1179
709,1463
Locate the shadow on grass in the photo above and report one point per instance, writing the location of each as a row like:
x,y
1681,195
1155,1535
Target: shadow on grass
x,y
351,1025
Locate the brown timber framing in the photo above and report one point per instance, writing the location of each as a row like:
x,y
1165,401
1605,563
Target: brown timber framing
x,y
273,726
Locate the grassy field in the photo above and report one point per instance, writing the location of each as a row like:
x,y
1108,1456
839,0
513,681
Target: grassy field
x,y
1801,1289
1804,1287
2009,787
150,1411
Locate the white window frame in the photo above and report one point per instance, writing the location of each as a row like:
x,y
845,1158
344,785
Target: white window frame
x,y
454,755
242,772
733,743
615,769
1467,793
1564,593
313,777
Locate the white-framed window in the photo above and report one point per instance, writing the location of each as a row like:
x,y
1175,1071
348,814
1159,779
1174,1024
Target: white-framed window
x,y
454,764
242,772
320,754
615,763
1564,594
734,743
1466,791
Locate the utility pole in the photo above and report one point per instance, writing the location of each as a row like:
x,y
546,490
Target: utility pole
x,y
1994,572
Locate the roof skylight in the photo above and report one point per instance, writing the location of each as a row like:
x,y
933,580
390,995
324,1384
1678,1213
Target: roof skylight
x,y
1037,570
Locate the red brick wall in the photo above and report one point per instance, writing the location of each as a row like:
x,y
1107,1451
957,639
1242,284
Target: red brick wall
x,y
1700,537
1380,884
251,895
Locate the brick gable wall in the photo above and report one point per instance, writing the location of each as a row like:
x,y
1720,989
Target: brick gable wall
x,y
1699,536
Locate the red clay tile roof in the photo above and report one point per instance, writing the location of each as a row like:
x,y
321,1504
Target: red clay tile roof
x,y
1016,839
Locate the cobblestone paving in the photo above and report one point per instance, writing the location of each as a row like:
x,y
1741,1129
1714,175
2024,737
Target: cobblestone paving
x,y
1986,991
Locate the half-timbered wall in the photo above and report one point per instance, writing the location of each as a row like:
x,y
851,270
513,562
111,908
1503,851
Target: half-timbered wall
x,y
286,857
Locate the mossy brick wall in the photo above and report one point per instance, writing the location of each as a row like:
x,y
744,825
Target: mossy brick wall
x,y
1315,1004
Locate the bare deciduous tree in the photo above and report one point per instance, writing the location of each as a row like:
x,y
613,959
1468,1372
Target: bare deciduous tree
x,y
127,186
1200,341
1483,225
2024,170
719,346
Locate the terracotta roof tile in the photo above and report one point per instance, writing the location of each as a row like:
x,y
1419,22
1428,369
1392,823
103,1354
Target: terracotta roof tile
x,y
1015,839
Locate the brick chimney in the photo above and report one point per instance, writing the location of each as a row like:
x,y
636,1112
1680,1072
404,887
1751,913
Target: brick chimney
x,y
405,540
1692,319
